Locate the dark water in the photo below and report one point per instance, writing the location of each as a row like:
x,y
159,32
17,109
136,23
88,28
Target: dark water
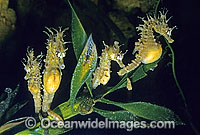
x,y
158,87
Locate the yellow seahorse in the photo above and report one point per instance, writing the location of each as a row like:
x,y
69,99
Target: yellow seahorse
x,y
53,65
102,73
147,48
32,67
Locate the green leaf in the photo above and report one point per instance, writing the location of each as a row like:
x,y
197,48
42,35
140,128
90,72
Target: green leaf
x,y
84,68
147,111
79,36
121,115
64,110
118,86
89,84
150,66
138,74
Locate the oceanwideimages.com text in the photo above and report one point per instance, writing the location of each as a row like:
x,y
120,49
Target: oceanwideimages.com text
x,y
101,124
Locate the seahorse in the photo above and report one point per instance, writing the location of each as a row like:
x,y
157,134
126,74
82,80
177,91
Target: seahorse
x,y
147,48
32,67
102,73
53,65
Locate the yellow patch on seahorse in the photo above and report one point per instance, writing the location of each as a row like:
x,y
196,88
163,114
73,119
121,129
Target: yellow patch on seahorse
x,y
51,80
152,54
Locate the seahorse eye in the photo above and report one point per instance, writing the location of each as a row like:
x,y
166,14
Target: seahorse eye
x,y
155,29
168,32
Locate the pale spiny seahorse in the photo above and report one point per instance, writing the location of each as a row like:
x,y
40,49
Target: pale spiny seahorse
x,y
32,67
53,65
147,48
102,73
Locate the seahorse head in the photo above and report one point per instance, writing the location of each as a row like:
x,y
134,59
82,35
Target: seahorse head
x,y
55,47
161,26
115,54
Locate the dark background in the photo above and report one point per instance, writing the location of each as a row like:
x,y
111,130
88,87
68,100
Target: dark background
x,y
158,87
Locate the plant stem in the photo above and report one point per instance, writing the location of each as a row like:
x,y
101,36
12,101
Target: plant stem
x,y
181,91
174,74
